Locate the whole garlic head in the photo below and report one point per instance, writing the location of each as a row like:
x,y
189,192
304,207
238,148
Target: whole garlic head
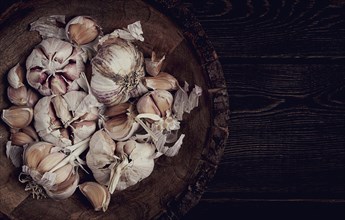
x,y
53,66
117,70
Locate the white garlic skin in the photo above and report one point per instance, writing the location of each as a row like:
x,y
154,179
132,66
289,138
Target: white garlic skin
x,y
117,70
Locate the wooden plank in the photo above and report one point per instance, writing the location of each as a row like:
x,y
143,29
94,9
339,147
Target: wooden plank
x,y
216,209
273,28
287,127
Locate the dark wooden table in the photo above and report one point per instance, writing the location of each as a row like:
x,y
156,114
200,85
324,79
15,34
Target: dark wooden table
x,y
283,61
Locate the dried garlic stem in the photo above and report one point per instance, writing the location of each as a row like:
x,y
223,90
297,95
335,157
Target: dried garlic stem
x,y
115,175
76,150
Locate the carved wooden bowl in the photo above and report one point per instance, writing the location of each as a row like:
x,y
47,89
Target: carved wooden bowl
x,y
176,183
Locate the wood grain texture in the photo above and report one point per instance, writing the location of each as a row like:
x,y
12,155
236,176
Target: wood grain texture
x,y
284,68
284,28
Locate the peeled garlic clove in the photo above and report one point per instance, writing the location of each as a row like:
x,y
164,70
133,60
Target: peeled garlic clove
x,y
29,130
117,109
15,76
32,98
50,161
147,105
163,81
35,153
63,173
21,138
17,96
17,117
82,30
153,66
97,194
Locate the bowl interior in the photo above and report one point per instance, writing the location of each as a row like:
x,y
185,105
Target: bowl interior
x,y
171,176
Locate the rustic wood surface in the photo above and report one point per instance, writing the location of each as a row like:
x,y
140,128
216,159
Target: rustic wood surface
x,y
283,63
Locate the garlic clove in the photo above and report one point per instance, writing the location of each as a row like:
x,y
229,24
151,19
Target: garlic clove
x,y
58,85
163,81
147,105
121,127
66,188
50,161
21,138
82,130
29,130
163,99
15,76
153,66
70,71
82,30
17,117
63,173
17,96
32,98
35,153
97,194
117,109
61,109
101,143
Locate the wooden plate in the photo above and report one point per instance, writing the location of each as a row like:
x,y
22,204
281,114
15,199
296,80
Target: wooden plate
x,y
177,183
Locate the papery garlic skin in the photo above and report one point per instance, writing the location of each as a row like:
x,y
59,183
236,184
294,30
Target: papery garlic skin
x,y
101,157
141,156
53,66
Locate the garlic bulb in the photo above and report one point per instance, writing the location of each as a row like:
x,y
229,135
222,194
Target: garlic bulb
x,y
51,170
53,114
53,66
141,163
117,69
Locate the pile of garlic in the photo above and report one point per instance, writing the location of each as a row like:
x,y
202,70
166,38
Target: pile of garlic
x,y
122,117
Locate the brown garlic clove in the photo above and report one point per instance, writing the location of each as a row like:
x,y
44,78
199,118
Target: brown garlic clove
x,y
32,98
35,153
17,96
63,173
121,127
17,117
117,109
82,30
21,138
29,130
156,102
147,105
153,66
50,161
16,77
97,194
163,81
